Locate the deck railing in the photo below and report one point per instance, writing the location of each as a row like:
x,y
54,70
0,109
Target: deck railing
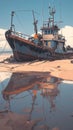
x,y
19,34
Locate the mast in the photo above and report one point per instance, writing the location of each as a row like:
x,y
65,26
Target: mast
x,y
51,15
12,14
35,22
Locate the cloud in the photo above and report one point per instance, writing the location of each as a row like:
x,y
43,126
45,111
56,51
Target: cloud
x,y
67,31
3,42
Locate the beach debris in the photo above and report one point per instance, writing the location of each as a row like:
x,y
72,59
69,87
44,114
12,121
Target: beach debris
x,y
58,66
11,59
72,61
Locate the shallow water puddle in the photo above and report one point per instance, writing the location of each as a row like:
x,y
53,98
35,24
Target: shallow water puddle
x,y
35,100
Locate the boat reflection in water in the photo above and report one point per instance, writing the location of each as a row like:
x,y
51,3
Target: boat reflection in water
x,y
34,82
31,94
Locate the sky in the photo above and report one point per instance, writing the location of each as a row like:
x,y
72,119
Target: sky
x,y
23,20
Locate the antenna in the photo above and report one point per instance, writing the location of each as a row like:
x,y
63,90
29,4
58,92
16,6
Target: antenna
x,y
52,11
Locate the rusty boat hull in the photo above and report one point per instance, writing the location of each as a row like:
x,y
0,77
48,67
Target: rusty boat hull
x,y
25,50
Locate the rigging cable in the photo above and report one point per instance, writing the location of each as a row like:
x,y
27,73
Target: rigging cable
x,y
19,21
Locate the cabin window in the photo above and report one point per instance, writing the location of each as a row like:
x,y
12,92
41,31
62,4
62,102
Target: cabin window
x,y
49,31
45,32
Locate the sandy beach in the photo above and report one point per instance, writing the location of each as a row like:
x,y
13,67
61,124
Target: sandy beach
x,y
59,68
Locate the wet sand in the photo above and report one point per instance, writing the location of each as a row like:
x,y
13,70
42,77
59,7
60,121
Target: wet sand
x,y
59,68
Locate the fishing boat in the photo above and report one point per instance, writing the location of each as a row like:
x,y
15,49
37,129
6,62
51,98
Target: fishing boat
x,y
49,45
